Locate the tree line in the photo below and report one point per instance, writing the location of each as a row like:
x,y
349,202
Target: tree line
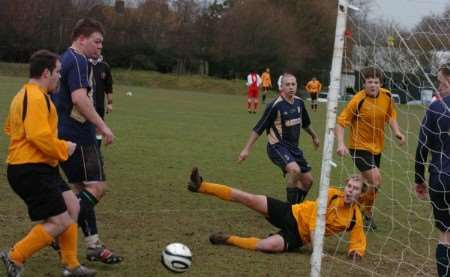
x,y
221,38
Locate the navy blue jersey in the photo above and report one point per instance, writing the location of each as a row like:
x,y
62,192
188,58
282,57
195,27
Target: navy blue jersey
x,y
283,121
76,73
434,137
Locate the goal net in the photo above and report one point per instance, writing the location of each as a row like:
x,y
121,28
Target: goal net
x,y
409,55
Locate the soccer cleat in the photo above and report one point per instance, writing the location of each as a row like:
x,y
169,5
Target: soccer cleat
x,y
79,271
369,223
195,180
12,270
102,254
219,238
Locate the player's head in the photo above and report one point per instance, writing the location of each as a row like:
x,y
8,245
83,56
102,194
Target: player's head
x,y
45,68
373,78
288,85
353,188
88,35
443,77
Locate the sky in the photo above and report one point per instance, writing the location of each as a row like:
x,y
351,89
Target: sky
x,y
407,12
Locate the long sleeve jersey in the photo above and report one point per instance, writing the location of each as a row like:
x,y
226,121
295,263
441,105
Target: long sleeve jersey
x,y
32,128
339,218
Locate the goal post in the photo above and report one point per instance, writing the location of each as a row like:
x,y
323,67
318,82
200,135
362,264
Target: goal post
x,y
334,88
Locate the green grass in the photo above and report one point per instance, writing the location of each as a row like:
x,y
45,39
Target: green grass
x,y
161,134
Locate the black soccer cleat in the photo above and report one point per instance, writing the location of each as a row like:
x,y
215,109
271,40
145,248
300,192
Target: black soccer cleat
x,y
195,180
369,223
219,238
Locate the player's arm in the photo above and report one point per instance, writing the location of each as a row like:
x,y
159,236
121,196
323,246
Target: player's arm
x,y
343,121
84,105
39,133
266,120
306,125
109,89
393,124
7,127
421,157
358,243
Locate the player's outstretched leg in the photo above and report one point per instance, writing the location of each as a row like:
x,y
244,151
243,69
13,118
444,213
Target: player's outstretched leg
x,y
255,202
274,243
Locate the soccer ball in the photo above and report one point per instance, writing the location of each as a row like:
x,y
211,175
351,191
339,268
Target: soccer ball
x,y
176,257
128,93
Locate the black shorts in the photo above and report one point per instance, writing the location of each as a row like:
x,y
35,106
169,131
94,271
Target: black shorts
x,y
266,89
85,165
281,156
364,160
439,191
313,96
280,216
40,186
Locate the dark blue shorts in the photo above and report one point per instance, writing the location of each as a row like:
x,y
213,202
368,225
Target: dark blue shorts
x,y
85,165
439,191
281,155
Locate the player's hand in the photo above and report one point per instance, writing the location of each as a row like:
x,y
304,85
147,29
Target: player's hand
x,y
421,191
316,142
109,108
71,147
355,256
108,135
243,155
342,150
401,138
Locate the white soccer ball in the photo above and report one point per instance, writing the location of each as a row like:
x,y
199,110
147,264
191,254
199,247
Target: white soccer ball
x,y
176,257
128,93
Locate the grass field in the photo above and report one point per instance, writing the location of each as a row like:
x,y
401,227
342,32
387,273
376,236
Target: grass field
x,y
161,134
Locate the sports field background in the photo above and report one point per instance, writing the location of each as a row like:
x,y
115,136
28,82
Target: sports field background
x,y
161,134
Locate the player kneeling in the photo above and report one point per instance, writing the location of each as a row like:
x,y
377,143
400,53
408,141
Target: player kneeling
x,y
296,222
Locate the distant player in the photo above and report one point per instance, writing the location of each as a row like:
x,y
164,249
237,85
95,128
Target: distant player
x,y
313,87
282,121
266,84
366,114
434,138
33,156
296,222
253,84
103,88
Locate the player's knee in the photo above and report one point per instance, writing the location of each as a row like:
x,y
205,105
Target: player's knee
x,y
98,189
270,246
293,170
61,222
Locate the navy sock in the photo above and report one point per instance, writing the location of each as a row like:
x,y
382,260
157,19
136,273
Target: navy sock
x,y
295,195
87,219
442,260
301,195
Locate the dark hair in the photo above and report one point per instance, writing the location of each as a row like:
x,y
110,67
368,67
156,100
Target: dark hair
x,y
372,72
41,60
445,69
86,27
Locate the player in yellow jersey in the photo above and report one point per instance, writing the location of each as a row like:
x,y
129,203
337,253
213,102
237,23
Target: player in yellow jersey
x,y
33,156
296,222
313,87
266,84
366,115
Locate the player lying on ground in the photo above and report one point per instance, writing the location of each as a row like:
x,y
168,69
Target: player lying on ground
x,y
296,222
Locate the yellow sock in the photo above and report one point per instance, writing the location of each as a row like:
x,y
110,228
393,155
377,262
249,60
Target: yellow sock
x,y
221,191
368,201
35,240
68,242
245,243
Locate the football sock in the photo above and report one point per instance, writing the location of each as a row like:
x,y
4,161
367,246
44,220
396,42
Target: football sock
x,y
442,260
249,106
301,195
93,241
35,240
256,107
68,242
221,191
87,219
245,243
